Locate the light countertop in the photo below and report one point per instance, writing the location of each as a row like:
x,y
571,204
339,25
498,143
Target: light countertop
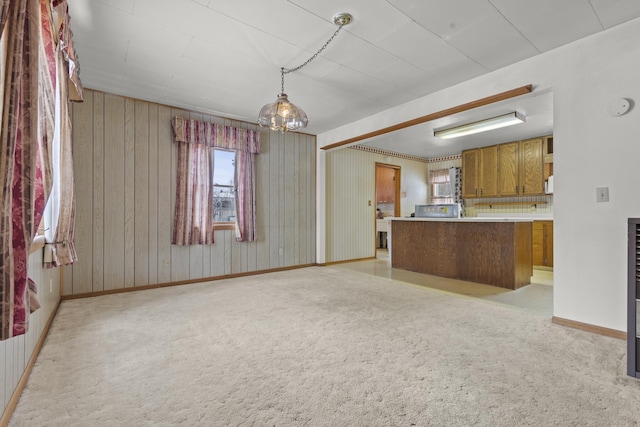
x,y
467,219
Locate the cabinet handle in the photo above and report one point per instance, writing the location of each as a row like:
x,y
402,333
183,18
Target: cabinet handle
x,y
523,189
476,191
481,191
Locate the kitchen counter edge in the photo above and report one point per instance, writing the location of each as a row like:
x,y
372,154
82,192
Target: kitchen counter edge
x,y
467,219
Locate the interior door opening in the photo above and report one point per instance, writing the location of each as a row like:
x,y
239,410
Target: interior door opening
x,y
387,204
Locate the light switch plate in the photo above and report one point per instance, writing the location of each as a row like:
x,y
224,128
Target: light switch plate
x,y
602,194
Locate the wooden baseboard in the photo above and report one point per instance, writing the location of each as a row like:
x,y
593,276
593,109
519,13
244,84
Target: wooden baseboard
x,y
181,282
15,397
348,260
614,333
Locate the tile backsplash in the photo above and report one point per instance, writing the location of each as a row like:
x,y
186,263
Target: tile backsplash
x,y
533,205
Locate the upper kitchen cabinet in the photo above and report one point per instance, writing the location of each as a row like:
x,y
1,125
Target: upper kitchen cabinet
x,y
385,185
520,168
470,173
508,174
547,156
489,171
479,173
510,169
531,167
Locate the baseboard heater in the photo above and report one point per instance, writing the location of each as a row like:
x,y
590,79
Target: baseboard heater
x,y
633,299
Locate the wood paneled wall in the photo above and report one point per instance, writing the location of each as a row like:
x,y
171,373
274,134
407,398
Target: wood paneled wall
x,y
16,352
125,171
350,185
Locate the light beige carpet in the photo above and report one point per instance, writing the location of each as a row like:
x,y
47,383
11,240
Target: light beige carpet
x,y
320,347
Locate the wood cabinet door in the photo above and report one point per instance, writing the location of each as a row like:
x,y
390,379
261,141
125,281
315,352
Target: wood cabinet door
x,y
385,185
537,240
548,244
542,243
488,171
470,173
508,169
531,167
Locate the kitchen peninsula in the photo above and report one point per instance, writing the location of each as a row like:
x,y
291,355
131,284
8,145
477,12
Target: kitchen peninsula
x,y
484,250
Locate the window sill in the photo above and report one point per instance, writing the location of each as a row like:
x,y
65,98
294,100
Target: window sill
x,y
224,225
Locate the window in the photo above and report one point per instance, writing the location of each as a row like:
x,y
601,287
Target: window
x,y
224,186
441,186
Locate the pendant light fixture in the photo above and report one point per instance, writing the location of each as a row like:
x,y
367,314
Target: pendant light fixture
x,y
283,115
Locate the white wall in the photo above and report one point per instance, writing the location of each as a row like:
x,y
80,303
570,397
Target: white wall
x,y
350,186
16,352
591,150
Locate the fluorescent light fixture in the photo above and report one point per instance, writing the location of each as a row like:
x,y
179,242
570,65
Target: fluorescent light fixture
x,y
481,126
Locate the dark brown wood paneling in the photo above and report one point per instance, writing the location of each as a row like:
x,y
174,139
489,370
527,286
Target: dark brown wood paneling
x,y
495,253
485,253
446,233
523,253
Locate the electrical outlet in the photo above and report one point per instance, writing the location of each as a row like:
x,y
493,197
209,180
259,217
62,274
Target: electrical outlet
x,y
602,194
166,263
50,285
280,251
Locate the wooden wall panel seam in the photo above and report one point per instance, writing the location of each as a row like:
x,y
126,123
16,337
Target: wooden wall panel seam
x,y
132,196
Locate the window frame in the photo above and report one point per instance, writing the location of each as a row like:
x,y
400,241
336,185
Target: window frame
x,y
225,225
439,177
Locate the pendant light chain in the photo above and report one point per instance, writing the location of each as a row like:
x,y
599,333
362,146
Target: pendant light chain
x,y
283,115
284,71
291,70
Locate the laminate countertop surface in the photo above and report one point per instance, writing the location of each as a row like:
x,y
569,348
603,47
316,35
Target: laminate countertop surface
x,y
468,219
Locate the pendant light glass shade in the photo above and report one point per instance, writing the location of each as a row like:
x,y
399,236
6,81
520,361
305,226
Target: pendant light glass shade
x,y
282,115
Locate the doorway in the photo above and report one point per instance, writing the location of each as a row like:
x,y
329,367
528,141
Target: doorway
x,y
387,182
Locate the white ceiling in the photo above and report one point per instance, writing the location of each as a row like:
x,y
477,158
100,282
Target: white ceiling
x,y
223,57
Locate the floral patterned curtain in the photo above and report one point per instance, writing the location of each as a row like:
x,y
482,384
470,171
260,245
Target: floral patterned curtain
x,y
23,154
246,197
4,12
74,87
193,222
32,101
60,209
457,189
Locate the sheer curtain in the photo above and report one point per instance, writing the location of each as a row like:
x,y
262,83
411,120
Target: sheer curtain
x,y
61,207
60,212
246,197
193,221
